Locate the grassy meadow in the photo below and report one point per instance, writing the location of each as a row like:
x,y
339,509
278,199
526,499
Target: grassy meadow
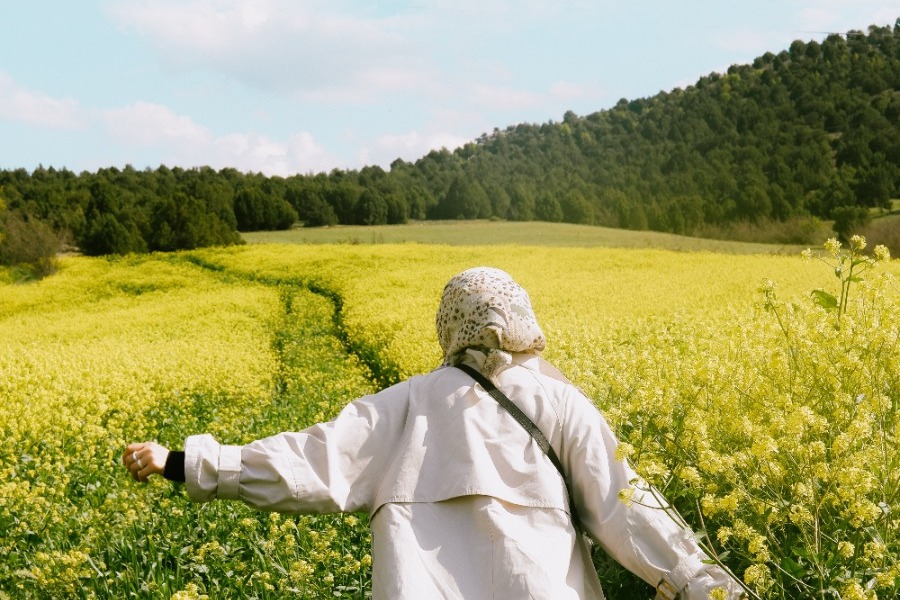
x,y
768,421
528,233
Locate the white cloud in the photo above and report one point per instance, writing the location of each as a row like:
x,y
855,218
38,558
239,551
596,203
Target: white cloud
x,y
35,108
177,139
143,123
258,153
255,153
407,146
307,155
208,25
282,44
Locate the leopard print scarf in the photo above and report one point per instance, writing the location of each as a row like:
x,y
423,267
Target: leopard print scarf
x,y
487,315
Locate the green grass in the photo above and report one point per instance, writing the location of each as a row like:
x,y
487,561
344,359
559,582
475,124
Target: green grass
x,y
533,233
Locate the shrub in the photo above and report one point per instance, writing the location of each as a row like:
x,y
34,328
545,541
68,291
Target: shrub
x,y
29,244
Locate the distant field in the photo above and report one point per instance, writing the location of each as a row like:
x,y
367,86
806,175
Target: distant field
x,y
468,233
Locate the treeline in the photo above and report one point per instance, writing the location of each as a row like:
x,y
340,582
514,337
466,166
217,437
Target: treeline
x,y
813,130
810,131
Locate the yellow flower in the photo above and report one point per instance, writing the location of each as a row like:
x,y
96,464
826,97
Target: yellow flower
x,y
874,551
191,592
690,476
832,246
718,594
759,548
623,451
800,515
758,577
854,591
767,287
846,549
626,495
779,415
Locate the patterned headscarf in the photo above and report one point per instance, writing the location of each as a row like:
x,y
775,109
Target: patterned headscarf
x,y
483,311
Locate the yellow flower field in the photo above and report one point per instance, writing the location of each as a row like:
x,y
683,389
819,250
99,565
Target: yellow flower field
x,y
770,422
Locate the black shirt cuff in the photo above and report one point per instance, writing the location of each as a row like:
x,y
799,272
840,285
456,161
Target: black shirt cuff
x,y
174,469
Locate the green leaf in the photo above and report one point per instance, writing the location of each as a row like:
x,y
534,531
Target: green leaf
x,y
793,568
824,299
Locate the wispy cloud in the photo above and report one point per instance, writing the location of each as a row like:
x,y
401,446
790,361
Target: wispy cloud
x,y
31,107
407,146
308,47
182,141
300,153
144,123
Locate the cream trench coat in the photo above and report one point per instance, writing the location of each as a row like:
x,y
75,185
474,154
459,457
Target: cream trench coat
x,y
464,503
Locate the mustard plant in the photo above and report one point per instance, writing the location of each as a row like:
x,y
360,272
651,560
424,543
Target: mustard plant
x,y
848,265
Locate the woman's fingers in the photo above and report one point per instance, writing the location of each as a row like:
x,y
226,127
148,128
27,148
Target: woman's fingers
x,y
145,459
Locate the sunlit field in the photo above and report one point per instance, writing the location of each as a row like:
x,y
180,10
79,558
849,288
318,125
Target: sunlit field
x,y
484,232
770,422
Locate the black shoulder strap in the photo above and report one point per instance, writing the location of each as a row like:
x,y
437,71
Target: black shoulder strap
x,y
529,426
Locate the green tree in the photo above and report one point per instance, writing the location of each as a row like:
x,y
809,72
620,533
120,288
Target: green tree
x,y
465,199
547,208
521,203
371,209
848,220
311,206
105,234
343,196
576,208
182,222
256,210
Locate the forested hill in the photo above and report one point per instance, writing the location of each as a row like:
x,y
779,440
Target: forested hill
x,y
809,131
804,131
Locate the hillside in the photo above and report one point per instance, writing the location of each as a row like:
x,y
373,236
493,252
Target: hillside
x,y
802,132
808,133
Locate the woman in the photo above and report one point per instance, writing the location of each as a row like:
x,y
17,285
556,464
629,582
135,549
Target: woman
x,y
464,503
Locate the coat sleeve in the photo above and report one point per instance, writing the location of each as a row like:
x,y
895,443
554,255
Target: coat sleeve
x,y
643,539
329,467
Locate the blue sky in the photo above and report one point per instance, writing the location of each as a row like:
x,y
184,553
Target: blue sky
x,y
301,86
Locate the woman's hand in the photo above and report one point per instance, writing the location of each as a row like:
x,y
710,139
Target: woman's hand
x,y
145,459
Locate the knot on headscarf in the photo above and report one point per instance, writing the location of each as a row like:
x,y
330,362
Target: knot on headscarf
x,y
486,314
